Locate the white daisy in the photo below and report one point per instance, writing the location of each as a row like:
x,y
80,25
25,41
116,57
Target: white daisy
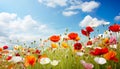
x,y
113,46
100,60
44,60
54,62
16,59
80,53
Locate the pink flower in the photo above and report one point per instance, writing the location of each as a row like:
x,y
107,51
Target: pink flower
x,y
87,65
113,40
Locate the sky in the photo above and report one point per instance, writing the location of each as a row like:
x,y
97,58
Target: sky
x,y
28,20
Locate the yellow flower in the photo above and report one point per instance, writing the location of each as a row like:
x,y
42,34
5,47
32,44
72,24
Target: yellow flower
x,y
31,49
105,40
20,47
65,45
16,47
101,44
54,45
78,38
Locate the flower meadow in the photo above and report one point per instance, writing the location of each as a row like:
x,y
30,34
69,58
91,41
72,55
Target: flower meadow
x,y
67,52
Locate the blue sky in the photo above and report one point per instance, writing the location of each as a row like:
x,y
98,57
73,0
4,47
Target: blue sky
x,y
31,19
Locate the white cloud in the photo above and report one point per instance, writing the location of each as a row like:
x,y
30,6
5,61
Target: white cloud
x,y
117,18
7,17
40,1
53,3
74,7
89,6
84,6
93,22
24,29
69,13
71,5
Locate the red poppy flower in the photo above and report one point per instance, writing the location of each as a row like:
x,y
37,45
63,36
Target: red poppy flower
x,y
77,46
5,47
17,54
84,32
55,38
104,50
114,28
89,29
73,35
115,59
89,43
37,51
98,51
9,57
